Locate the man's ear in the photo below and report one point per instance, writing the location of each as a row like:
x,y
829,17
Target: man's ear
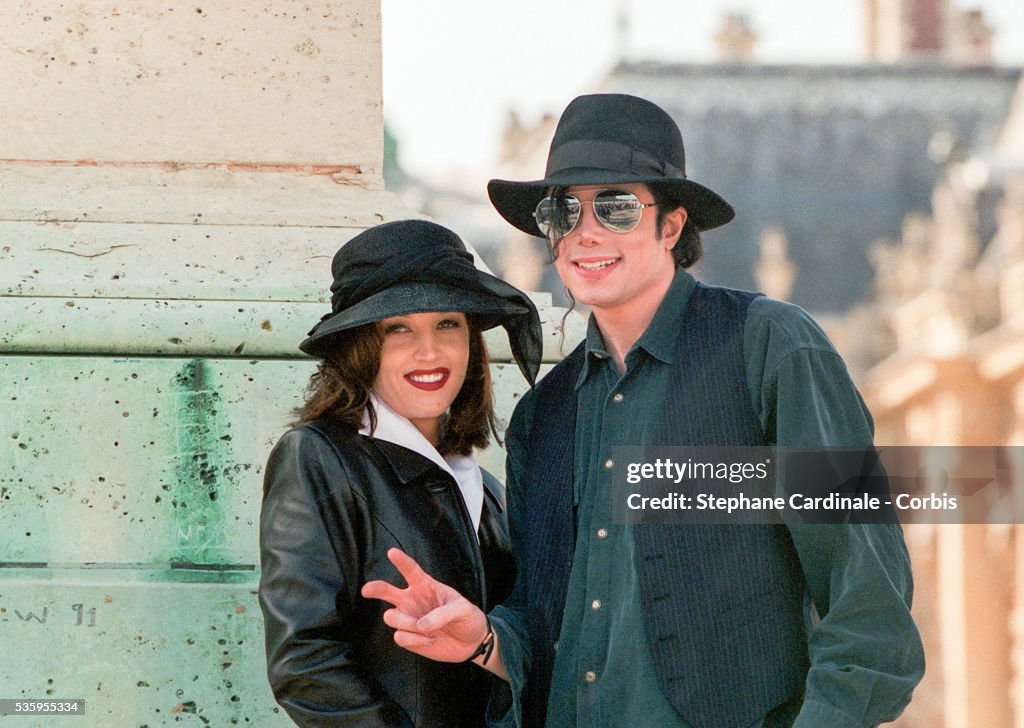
x,y
672,226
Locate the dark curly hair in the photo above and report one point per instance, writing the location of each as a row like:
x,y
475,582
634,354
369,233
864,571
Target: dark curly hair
x,y
690,248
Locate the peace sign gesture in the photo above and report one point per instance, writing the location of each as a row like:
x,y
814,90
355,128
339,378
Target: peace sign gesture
x,y
430,618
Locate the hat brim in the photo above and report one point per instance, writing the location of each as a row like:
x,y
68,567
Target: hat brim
x,y
516,201
407,298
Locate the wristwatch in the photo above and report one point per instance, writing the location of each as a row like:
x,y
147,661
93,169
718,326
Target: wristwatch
x,y
486,646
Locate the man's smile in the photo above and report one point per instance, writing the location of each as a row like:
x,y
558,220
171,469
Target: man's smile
x,y
594,267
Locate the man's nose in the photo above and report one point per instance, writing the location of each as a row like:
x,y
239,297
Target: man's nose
x,y
588,230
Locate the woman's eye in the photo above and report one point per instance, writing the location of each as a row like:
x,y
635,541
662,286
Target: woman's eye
x,y
449,324
395,329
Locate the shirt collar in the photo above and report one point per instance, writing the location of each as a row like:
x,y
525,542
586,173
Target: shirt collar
x,y
392,427
658,340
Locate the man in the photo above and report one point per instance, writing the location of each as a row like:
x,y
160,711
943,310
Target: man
x,y
708,626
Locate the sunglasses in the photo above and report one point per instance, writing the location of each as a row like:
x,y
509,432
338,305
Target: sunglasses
x,y
618,211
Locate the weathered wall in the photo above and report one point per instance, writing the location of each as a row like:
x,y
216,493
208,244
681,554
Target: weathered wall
x,y
174,179
283,82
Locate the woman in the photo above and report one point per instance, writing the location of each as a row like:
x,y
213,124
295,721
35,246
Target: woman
x,y
382,456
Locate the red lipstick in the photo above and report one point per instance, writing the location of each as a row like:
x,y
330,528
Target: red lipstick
x,y
429,380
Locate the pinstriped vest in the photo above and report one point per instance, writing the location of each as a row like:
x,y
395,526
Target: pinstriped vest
x,y
723,604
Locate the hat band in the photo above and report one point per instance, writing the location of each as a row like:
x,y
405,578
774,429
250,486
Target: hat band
x,y
613,156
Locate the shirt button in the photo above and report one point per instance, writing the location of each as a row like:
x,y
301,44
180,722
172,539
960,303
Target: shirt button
x,y
590,676
617,397
609,464
602,533
595,605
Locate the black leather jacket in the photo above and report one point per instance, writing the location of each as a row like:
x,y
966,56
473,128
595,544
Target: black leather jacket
x,y
334,503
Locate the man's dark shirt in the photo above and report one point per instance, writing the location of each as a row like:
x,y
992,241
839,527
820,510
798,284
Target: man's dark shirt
x,y
865,654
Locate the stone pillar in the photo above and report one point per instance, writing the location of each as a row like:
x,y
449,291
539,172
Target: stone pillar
x,y
975,577
974,568
965,571
174,179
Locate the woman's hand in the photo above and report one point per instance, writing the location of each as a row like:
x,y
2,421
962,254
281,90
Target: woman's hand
x,y
429,618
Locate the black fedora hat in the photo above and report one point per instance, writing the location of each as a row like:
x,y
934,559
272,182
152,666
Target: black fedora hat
x,y
415,266
612,139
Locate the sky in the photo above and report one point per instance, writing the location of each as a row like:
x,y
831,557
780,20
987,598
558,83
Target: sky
x,y
453,68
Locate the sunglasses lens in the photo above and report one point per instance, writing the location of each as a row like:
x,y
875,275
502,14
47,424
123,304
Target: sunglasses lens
x,y
618,211
557,216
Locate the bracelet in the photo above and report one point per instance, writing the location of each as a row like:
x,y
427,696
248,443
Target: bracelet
x,y
486,646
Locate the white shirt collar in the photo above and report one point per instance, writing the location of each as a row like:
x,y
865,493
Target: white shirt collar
x,y
396,429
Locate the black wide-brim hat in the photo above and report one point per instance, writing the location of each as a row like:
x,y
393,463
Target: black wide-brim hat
x,y
415,266
609,139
